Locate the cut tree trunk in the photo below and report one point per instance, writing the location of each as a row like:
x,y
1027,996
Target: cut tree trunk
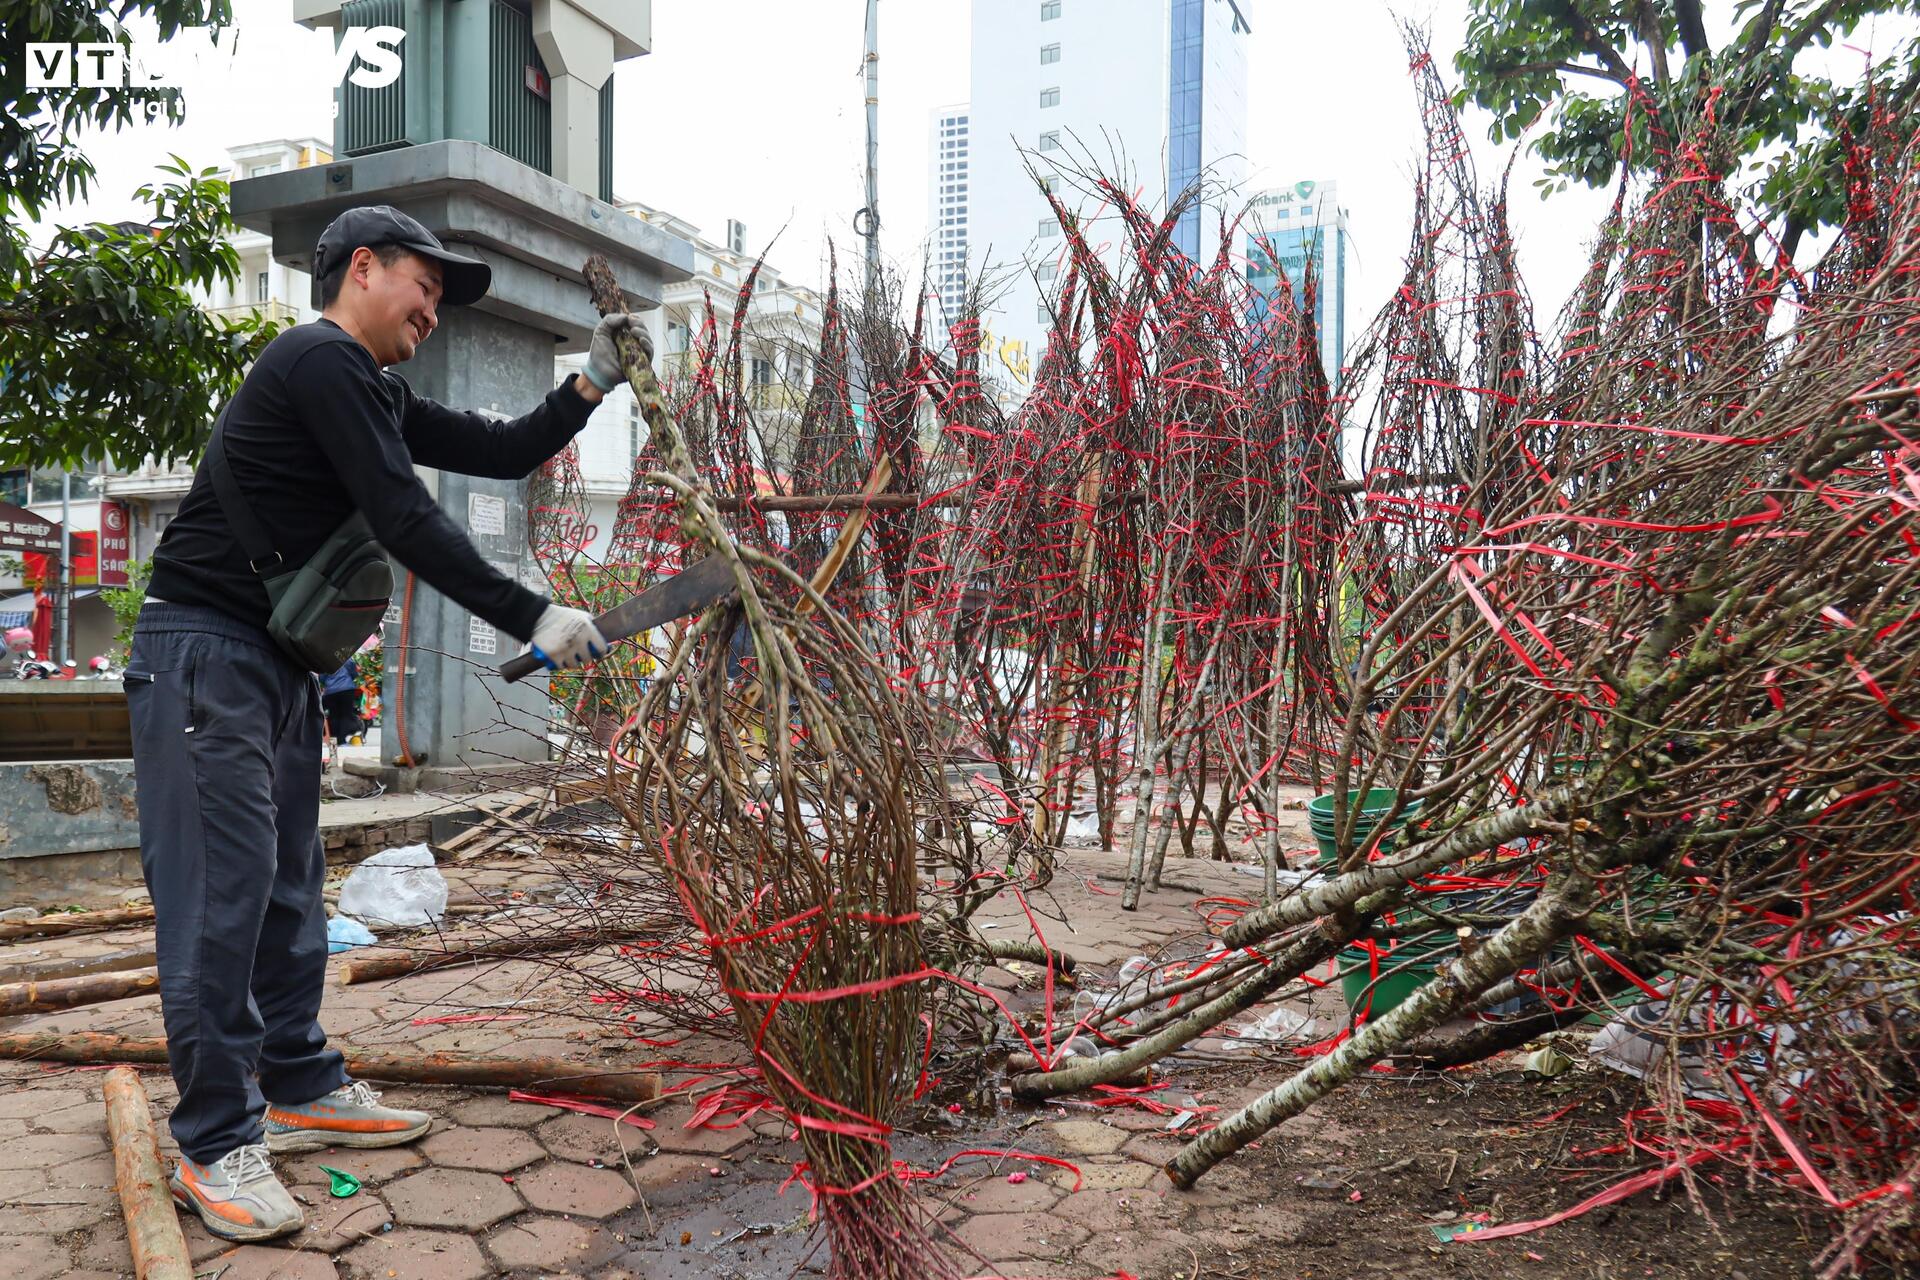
x,y
69,993
394,1068
153,1228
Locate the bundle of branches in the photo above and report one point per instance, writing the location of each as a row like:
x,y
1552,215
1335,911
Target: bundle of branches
x,y
1637,682
788,811
1143,549
1674,658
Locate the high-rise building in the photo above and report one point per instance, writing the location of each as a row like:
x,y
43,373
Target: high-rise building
x,y
1150,92
1287,229
947,207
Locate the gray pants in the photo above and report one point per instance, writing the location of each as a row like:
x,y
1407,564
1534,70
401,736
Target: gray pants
x,y
226,752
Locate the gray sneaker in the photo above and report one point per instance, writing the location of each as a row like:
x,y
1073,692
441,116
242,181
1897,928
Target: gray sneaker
x,y
237,1196
350,1116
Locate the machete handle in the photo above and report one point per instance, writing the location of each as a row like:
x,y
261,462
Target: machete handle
x,y
520,668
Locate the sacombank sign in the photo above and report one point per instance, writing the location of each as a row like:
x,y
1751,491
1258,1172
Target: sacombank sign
x,y
368,57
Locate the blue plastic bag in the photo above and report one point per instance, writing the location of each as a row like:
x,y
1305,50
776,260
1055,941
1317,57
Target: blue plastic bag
x,y
344,932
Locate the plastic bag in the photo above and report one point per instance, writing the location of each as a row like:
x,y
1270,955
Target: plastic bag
x,y
396,888
1280,1023
344,932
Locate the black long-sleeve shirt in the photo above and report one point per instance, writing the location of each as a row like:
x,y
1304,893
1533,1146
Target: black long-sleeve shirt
x,y
319,430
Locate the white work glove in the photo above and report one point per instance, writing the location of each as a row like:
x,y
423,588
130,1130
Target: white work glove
x,y
604,369
565,638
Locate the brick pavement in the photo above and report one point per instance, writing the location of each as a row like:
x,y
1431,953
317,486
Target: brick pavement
x,y
504,1188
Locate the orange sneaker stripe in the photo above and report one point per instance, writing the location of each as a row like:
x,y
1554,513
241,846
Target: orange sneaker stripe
x,y
220,1208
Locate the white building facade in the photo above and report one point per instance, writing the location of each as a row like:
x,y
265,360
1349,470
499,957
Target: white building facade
x,y
947,207
1292,229
1152,93
781,332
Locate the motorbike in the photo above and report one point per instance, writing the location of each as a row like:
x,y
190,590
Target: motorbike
x,y
29,666
102,667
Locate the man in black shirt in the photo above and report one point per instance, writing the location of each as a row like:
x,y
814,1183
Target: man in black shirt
x,y
226,727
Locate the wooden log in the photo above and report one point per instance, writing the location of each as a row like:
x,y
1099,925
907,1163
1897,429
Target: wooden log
x,y
553,1074
79,966
153,1228
60,925
374,968
70,993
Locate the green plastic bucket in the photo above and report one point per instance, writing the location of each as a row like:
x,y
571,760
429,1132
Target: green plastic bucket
x,y
1372,807
1421,958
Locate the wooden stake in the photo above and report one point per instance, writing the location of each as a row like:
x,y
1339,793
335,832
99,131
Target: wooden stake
x,y
153,1228
68,993
59,925
552,1074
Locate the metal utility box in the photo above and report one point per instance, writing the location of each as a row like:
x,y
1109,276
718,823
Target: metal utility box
x,y
470,70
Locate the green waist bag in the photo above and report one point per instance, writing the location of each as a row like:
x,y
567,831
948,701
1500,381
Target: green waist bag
x,y
325,609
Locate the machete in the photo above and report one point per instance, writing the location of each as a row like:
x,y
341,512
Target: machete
x,y
686,592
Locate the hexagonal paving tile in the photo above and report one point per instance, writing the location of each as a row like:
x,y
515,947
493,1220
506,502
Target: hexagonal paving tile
x,y
32,1257
201,1243
373,1166
58,1210
1000,1236
333,1224
1086,1137
43,1150
451,1198
497,1110
1107,1212
671,1133
494,1150
419,1255
658,1173
997,1195
585,1138
576,1189
19,1103
1113,1176
546,1244
261,1262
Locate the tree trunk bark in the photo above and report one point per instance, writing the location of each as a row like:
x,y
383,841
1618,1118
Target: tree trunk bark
x,y
69,993
58,925
153,1228
393,1068
1459,982
1323,941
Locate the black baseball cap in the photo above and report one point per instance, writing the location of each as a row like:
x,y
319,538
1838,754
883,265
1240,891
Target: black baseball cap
x,y
463,280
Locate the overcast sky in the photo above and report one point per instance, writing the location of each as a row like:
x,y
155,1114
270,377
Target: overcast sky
x,y
752,109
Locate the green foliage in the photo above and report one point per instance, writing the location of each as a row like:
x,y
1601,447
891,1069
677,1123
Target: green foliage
x,y
125,603
102,350
39,163
1569,63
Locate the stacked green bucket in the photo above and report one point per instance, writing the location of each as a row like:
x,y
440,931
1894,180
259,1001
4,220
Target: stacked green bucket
x,y
1407,963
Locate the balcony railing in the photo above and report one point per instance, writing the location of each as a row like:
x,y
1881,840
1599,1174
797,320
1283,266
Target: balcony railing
x,y
270,310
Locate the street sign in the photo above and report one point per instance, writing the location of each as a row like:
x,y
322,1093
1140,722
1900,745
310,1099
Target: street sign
x,y
116,544
21,530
